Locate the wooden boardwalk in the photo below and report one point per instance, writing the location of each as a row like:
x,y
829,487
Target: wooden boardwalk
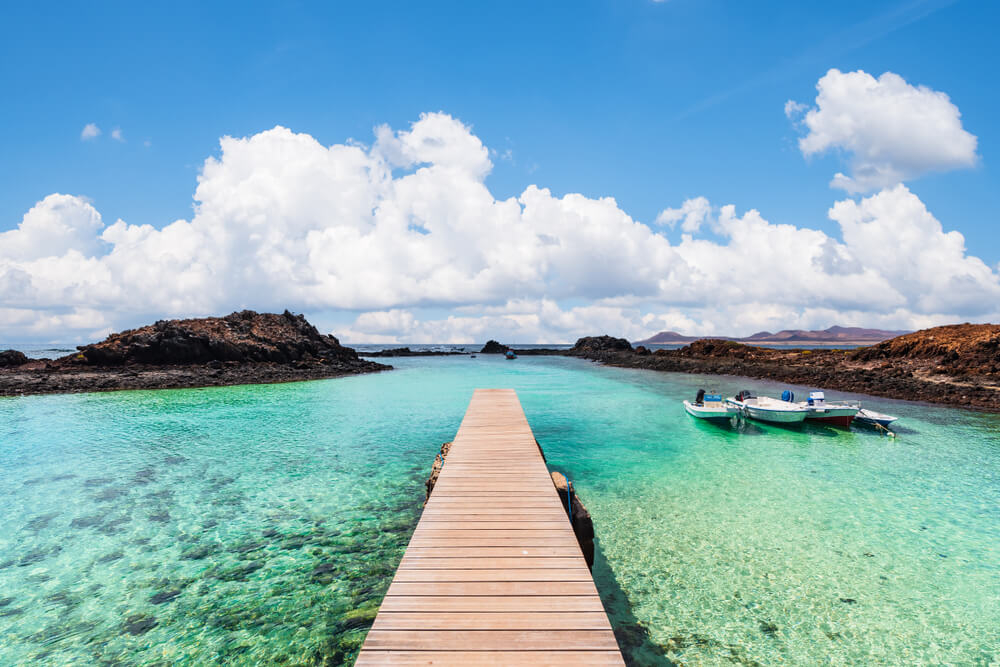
x,y
493,574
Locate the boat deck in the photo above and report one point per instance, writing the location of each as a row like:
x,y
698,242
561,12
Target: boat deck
x,y
493,574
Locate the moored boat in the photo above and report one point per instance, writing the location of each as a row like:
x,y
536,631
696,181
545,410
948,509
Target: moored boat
x,y
509,354
837,413
767,409
710,406
872,418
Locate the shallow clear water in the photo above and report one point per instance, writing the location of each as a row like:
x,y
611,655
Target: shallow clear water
x,y
262,524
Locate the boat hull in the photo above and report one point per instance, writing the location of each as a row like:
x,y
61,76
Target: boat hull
x,y
841,421
721,413
840,416
776,416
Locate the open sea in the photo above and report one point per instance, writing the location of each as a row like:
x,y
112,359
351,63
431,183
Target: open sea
x,y
262,524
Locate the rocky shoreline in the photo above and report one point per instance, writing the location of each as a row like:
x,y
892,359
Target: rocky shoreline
x,y
958,365
241,348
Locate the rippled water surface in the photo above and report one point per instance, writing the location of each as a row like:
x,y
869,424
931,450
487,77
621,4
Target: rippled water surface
x,y
262,524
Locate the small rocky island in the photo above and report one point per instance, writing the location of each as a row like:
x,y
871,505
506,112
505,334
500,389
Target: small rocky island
x,y
958,364
242,348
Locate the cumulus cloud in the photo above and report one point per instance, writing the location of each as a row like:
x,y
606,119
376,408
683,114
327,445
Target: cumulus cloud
x,y
90,131
405,229
117,135
693,212
891,130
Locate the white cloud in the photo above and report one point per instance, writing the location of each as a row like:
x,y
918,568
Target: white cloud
x,y
407,227
693,212
117,135
90,131
893,131
794,109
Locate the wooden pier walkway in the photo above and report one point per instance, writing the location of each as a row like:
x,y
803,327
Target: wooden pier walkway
x,y
493,574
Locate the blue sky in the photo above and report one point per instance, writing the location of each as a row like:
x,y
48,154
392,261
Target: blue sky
x,y
652,103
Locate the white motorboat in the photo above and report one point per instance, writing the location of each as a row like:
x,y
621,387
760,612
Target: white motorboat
x,y
767,409
837,413
872,418
710,406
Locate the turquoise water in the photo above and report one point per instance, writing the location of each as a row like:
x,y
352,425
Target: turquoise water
x,y
262,524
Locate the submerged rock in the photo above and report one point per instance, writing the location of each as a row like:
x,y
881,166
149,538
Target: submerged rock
x,y
165,596
139,624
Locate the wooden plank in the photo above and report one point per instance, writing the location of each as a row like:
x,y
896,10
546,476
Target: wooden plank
x,y
490,563
486,603
493,574
491,640
493,588
491,552
490,658
546,620
520,574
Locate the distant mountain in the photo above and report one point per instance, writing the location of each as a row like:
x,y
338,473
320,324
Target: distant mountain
x,y
833,335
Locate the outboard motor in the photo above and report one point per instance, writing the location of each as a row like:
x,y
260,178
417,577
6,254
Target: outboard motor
x,y
699,397
744,395
788,396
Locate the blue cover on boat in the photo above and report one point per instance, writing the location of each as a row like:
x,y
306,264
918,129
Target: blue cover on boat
x,y
787,395
713,397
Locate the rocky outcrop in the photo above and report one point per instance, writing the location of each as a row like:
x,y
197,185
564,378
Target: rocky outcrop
x,y
583,526
599,347
246,336
494,347
958,349
10,358
436,470
241,348
407,352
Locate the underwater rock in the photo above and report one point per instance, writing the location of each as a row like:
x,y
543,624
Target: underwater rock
x,y
174,460
362,617
5,602
583,525
97,481
139,624
165,596
41,521
240,572
160,517
111,557
60,478
768,628
109,494
199,552
848,600
87,521
247,547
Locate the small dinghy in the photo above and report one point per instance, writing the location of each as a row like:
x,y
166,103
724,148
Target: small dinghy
x,y
509,354
872,418
837,413
767,409
710,406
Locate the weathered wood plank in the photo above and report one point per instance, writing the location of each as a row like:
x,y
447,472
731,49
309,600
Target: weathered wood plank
x,y
548,620
490,658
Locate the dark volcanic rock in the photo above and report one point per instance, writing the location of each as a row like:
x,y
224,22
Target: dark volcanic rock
x,y
243,336
598,347
12,358
493,347
242,348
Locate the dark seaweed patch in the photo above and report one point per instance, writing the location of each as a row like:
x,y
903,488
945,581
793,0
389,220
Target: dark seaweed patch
x,y
139,624
165,596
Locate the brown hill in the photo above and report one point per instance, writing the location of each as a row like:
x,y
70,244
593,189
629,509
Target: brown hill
x,y
832,335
